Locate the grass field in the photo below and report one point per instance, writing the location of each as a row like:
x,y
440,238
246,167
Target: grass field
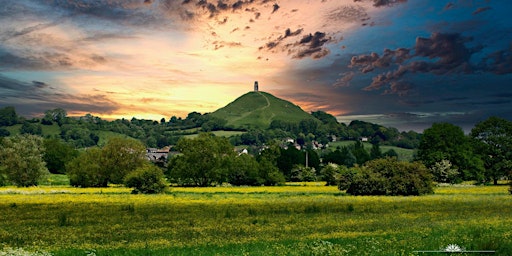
x,y
298,219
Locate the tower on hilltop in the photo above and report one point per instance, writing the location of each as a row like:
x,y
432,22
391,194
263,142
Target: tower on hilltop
x,y
256,86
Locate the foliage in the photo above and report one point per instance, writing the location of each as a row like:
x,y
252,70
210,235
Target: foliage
x,y
388,176
21,157
303,173
86,170
31,128
444,172
57,154
331,173
8,116
121,156
203,161
148,179
493,139
444,141
98,167
244,170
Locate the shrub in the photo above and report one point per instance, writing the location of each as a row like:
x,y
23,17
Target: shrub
x,y
148,179
387,176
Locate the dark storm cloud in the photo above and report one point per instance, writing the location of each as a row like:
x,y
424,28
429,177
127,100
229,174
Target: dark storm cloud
x,y
380,3
499,62
34,61
36,95
311,45
439,54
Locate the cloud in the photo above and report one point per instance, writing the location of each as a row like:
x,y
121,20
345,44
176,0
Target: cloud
x,y
312,46
499,62
380,3
275,7
28,97
439,54
481,9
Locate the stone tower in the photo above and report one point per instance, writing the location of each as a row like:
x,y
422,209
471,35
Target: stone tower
x,y
256,86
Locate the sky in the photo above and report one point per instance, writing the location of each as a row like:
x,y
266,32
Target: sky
x,y
399,63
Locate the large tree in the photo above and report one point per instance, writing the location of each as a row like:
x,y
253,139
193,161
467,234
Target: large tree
x,y
121,156
203,161
494,142
444,141
21,159
57,154
8,116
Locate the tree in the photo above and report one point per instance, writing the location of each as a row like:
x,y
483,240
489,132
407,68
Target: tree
x,y
444,172
375,152
267,160
244,170
86,170
121,156
493,139
21,158
31,128
388,176
57,154
8,116
57,115
330,174
444,141
204,160
360,153
148,179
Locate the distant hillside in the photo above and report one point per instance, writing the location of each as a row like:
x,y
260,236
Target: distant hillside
x,y
258,110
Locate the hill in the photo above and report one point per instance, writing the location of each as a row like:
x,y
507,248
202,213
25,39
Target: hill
x,y
258,110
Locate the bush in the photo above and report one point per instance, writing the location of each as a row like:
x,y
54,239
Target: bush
x,y
387,176
148,179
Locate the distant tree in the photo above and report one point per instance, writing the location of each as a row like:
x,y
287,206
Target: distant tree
x,y
494,142
147,179
360,153
21,159
330,173
444,141
444,172
4,132
86,170
8,116
57,115
326,118
244,170
121,156
390,153
388,176
268,170
31,128
203,161
375,151
303,173
288,158
57,154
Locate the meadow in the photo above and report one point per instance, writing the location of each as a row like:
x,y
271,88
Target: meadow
x,y
296,219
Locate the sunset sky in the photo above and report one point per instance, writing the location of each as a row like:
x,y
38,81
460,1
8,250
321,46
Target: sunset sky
x,y
397,63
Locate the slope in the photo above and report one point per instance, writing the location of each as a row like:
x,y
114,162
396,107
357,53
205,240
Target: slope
x,y
258,110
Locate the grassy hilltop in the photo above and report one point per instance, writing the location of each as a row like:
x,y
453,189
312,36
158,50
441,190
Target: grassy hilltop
x,y
258,110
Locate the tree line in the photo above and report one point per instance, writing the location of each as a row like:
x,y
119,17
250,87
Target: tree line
x,y
444,154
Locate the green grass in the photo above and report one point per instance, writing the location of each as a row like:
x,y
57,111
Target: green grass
x,y
403,153
105,136
289,220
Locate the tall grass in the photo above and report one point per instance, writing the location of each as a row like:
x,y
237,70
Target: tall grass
x,y
287,220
